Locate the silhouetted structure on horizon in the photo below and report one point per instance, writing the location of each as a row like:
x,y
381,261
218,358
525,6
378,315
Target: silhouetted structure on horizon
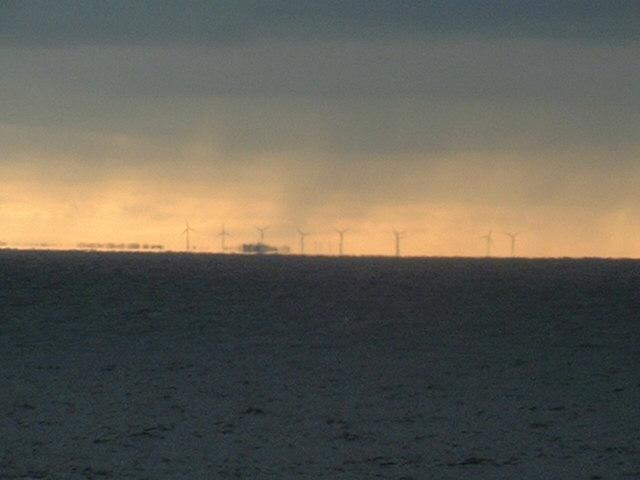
x,y
118,246
262,249
223,234
186,232
489,242
513,237
302,235
399,236
261,231
341,244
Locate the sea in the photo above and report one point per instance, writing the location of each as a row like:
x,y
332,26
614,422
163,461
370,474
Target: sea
x,y
184,366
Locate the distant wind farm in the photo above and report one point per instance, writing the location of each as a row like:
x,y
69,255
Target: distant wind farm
x,y
262,246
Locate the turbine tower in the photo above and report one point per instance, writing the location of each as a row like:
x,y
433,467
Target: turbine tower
x,y
399,236
186,232
302,235
513,242
261,230
223,234
341,244
488,241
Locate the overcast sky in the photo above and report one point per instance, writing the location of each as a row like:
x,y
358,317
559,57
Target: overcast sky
x,y
120,119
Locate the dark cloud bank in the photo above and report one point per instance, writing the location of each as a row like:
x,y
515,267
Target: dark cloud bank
x,y
42,22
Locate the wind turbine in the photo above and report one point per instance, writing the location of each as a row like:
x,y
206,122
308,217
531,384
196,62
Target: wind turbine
x,y
262,230
489,242
302,235
513,242
223,234
186,232
399,236
341,244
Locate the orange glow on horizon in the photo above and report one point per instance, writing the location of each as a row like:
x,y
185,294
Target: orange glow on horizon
x,y
132,211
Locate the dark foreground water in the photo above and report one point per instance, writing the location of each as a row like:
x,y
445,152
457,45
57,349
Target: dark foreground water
x,y
190,366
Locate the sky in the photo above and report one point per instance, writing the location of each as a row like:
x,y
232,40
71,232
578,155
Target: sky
x,y
120,120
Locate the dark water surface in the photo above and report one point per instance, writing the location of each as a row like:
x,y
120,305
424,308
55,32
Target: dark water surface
x,y
203,366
